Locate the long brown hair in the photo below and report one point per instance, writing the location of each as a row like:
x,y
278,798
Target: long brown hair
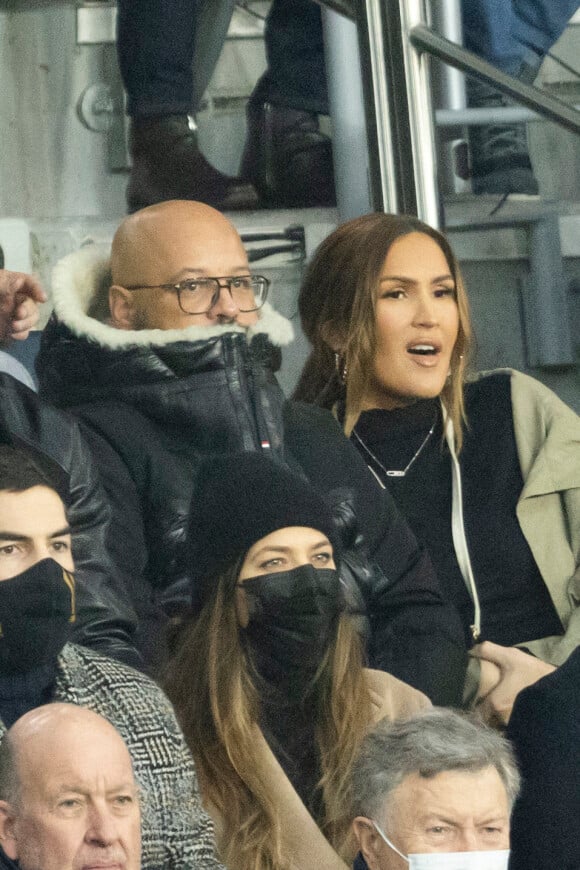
x,y
217,702
337,304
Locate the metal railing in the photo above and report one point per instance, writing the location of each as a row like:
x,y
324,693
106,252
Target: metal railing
x,y
394,44
395,41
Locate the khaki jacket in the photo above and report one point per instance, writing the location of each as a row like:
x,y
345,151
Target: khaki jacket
x,y
304,843
547,435
391,698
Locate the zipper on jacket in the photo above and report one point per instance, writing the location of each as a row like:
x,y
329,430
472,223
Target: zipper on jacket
x,y
458,527
238,358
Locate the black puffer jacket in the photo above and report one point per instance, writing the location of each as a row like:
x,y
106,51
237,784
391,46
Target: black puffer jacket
x,y
106,621
154,406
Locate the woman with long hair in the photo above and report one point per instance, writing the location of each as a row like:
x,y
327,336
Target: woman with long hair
x,y
267,677
486,469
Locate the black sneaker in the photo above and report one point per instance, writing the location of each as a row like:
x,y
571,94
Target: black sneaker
x,y
500,162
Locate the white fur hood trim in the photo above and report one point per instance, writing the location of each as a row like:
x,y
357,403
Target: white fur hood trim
x,y
77,277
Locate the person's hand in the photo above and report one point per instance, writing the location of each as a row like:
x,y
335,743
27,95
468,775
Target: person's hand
x,y
20,295
489,678
518,670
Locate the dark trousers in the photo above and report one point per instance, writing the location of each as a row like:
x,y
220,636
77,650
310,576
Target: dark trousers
x,y
295,52
156,43
155,40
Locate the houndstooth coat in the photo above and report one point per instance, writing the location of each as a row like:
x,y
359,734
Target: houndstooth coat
x,y
177,833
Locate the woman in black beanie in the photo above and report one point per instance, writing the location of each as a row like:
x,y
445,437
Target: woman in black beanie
x,y
267,679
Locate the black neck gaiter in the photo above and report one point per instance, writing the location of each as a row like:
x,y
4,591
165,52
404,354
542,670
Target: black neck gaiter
x,y
37,609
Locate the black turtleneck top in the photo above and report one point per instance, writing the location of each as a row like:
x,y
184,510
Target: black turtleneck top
x,y
515,603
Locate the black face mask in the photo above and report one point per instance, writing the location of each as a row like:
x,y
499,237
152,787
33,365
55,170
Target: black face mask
x,y
37,609
292,622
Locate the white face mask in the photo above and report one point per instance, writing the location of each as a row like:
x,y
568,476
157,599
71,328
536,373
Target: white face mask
x,y
495,859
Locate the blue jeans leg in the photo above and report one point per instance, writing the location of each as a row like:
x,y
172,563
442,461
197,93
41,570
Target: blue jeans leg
x,y
509,33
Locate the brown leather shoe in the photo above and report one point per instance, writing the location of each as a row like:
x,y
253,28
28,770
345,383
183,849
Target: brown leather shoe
x,y
167,164
287,158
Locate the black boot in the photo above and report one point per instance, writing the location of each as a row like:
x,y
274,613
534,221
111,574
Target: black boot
x,y
500,162
287,158
167,164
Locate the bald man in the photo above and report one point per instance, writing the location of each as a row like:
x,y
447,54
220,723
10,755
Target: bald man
x,y
149,251
68,796
181,363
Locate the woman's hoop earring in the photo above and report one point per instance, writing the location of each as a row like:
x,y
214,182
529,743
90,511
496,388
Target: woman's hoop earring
x,y
340,367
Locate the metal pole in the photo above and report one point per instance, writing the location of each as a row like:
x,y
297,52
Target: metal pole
x,y
449,94
378,98
546,312
482,117
399,113
420,112
349,135
447,21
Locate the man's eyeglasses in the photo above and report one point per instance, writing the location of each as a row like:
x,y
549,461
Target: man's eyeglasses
x,y
199,295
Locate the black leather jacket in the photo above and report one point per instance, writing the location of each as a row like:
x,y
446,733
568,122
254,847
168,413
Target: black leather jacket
x,y
152,412
6,863
105,618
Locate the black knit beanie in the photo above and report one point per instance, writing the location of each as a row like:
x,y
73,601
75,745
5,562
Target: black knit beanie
x,y
238,499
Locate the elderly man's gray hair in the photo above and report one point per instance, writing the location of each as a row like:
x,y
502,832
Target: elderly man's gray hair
x,y
429,743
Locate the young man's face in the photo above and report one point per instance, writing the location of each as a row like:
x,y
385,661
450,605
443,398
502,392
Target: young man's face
x,y
33,526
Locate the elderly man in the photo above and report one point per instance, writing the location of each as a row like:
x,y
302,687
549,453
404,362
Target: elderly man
x,y
39,664
181,364
435,791
68,796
